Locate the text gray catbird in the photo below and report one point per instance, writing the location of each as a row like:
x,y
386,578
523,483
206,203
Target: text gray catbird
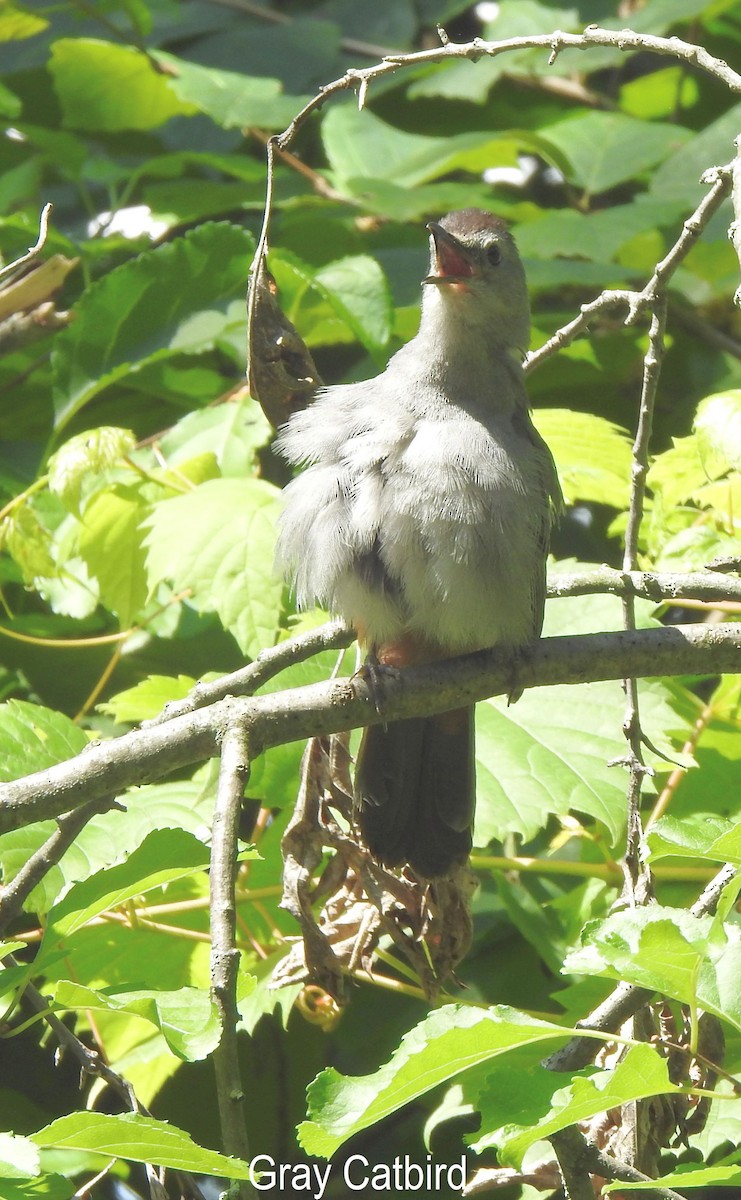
x,y
423,518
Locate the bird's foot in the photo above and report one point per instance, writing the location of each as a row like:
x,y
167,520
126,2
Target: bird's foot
x,y
373,672
515,687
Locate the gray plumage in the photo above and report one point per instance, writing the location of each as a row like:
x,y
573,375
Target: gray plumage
x,y
426,505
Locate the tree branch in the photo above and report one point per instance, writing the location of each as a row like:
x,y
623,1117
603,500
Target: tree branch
x,y
336,635
233,776
107,768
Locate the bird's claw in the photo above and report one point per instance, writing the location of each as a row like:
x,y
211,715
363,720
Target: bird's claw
x,y
373,672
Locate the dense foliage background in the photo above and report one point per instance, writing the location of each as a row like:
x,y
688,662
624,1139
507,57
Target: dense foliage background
x,y
138,497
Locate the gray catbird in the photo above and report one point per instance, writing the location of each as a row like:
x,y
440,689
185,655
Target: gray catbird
x,y
423,518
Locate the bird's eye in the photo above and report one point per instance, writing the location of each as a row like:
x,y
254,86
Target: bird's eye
x,y
494,254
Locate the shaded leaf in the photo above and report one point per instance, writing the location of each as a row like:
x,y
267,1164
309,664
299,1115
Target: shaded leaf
x,y
605,149
232,100
91,77
170,300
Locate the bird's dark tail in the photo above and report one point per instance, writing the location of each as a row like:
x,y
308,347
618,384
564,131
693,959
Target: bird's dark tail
x,y
415,791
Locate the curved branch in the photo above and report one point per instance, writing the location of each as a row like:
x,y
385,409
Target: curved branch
x,y
619,39
108,768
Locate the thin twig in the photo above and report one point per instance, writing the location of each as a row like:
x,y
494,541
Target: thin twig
x,y
623,40
35,250
335,635
638,302
638,884
585,1159
48,855
233,776
574,1171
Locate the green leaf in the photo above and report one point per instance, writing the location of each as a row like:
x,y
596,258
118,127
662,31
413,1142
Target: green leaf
x,y
91,77
549,753
28,541
679,176
566,233
703,836
138,1139
163,856
186,1018
17,23
363,150
717,427
545,755
669,951
232,432
19,1157
660,93
147,699
86,454
686,1175
33,738
45,1187
356,287
448,1041
111,544
170,300
515,18
232,100
108,838
593,455
10,104
218,540
605,149
678,472
643,1072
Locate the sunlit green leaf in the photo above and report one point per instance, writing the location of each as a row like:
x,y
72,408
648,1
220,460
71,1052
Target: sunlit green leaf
x,y
187,1019
642,1073
218,541
138,1139
445,1043
33,737
669,951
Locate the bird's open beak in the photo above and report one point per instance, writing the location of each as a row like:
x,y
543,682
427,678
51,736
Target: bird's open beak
x,y
452,261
